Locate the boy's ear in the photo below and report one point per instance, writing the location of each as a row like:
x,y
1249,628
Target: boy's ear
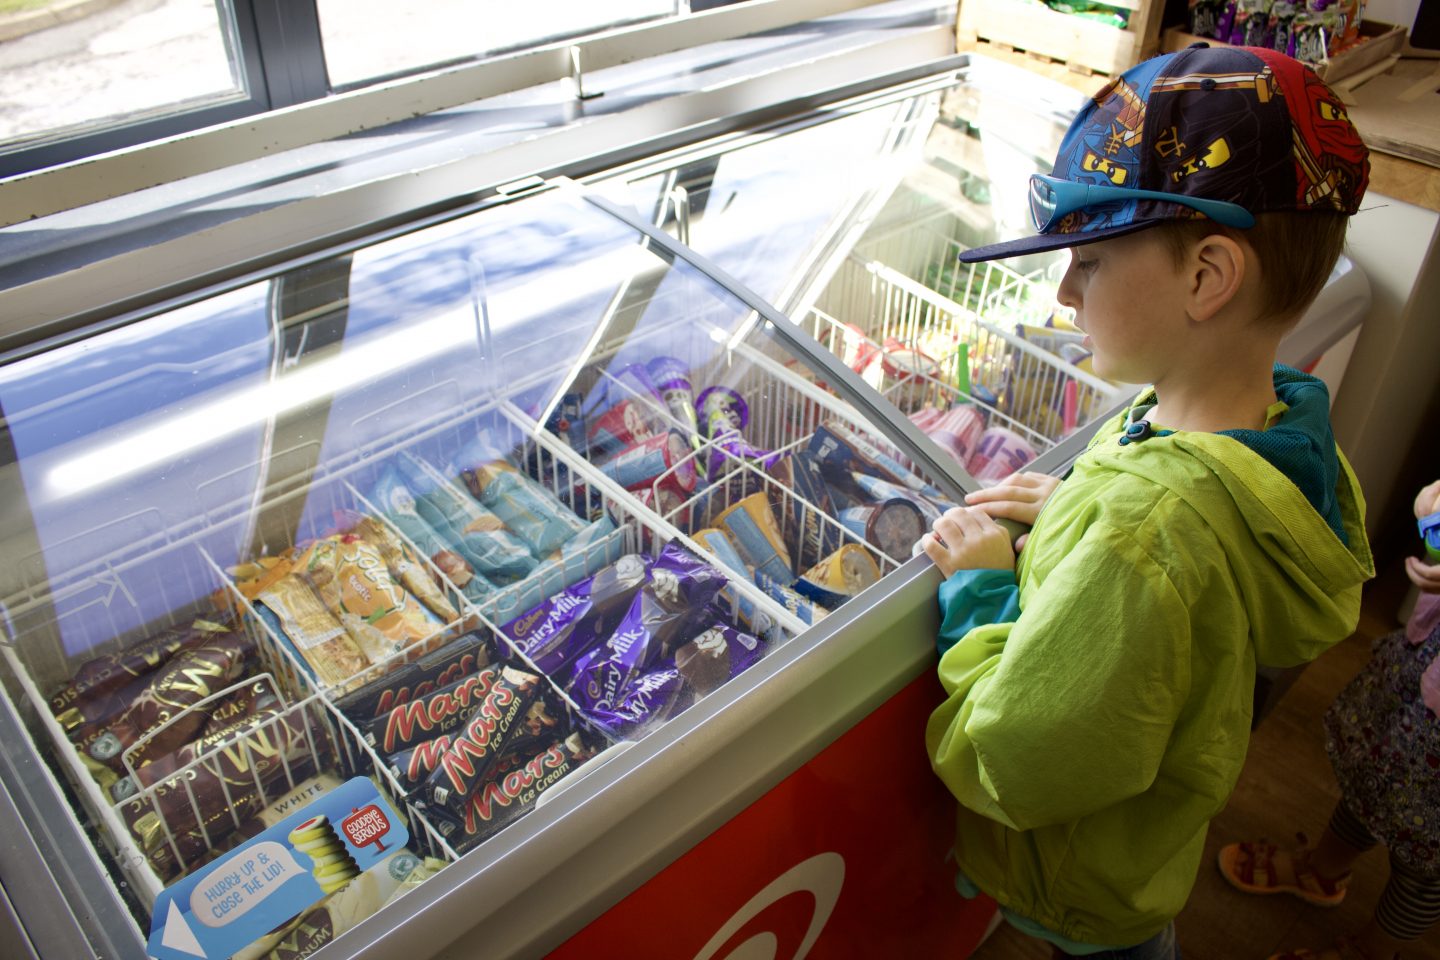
x,y
1216,270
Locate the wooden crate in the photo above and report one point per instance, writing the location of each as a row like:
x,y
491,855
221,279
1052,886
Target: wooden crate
x,y
1085,45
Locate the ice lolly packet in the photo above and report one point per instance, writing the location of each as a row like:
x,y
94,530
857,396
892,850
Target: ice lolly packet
x,y
451,663
679,589
567,623
715,655
527,509
397,502
650,699
672,378
351,576
474,530
404,566
300,620
103,674
427,717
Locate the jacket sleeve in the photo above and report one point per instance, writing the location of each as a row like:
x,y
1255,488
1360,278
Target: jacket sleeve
x,y
972,598
1068,709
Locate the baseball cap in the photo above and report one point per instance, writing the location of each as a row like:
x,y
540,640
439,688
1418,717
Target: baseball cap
x,y
1206,131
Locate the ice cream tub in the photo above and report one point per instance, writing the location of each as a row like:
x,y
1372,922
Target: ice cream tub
x,y
1001,452
893,526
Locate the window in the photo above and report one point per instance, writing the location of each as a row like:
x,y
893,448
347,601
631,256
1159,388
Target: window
x,y
131,71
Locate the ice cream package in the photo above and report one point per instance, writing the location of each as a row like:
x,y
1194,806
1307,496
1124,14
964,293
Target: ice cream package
x,y
630,411
99,676
440,668
351,576
717,653
528,510
514,792
394,498
426,717
162,709
404,566
567,623
808,525
517,712
474,531
679,588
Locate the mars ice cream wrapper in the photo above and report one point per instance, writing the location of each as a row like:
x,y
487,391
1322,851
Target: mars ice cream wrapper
x,y
518,709
427,717
394,498
568,623
413,766
505,798
472,529
440,668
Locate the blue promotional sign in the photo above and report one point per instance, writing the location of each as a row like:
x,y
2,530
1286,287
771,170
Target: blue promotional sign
x,y
309,855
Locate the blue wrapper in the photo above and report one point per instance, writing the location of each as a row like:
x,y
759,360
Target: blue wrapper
x,y
750,525
477,533
394,498
527,509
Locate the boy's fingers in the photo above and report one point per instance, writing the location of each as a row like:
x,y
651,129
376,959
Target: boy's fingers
x,y
1423,575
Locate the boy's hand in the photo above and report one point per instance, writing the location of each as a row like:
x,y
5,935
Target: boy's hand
x,y
1427,501
1019,496
966,538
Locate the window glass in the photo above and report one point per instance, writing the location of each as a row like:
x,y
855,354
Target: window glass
x,y
365,39
122,62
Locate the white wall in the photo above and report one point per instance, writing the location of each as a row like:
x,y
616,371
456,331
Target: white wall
x,y
1399,12
1393,374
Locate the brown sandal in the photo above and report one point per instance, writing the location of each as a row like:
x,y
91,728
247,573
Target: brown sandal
x,y
1250,866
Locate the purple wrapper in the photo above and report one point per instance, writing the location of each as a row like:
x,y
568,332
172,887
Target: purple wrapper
x,y
679,588
653,698
717,654
731,448
672,379
568,623
721,410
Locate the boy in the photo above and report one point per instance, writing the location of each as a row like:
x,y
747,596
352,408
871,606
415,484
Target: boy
x,y
1099,696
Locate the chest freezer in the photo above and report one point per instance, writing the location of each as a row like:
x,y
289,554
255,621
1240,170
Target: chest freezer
x,y
534,578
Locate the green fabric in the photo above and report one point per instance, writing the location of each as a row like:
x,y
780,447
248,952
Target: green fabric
x,y
1091,740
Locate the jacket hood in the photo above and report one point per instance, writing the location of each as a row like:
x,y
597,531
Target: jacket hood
x,y
1295,571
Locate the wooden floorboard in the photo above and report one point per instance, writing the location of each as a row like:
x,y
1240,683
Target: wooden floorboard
x,y
1287,786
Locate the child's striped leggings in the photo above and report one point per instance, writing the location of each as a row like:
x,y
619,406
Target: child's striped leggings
x,y
1411,901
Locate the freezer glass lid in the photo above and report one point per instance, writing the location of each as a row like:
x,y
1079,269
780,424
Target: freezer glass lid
x,y
851,220
416,529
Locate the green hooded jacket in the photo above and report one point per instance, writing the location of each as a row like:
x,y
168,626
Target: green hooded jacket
x,y
1091,738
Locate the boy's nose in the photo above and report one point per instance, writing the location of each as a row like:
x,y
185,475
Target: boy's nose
x,y
1068,293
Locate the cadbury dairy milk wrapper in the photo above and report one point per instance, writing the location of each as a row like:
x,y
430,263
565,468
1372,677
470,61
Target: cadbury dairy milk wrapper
x,y
105,674
528,510
396,500
568,623
519,709
680,586
650,699
505,798
424,718
162,707
715,655
440,668
476,533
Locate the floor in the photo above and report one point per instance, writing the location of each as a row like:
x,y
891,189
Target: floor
x,y
1286,786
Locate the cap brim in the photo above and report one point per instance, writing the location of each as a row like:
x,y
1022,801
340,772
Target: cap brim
x,y
1045,242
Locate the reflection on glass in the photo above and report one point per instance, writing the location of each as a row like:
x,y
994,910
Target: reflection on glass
x,y
120,63
364,39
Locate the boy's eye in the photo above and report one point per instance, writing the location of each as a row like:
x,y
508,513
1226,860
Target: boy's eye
x,y
1086,266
